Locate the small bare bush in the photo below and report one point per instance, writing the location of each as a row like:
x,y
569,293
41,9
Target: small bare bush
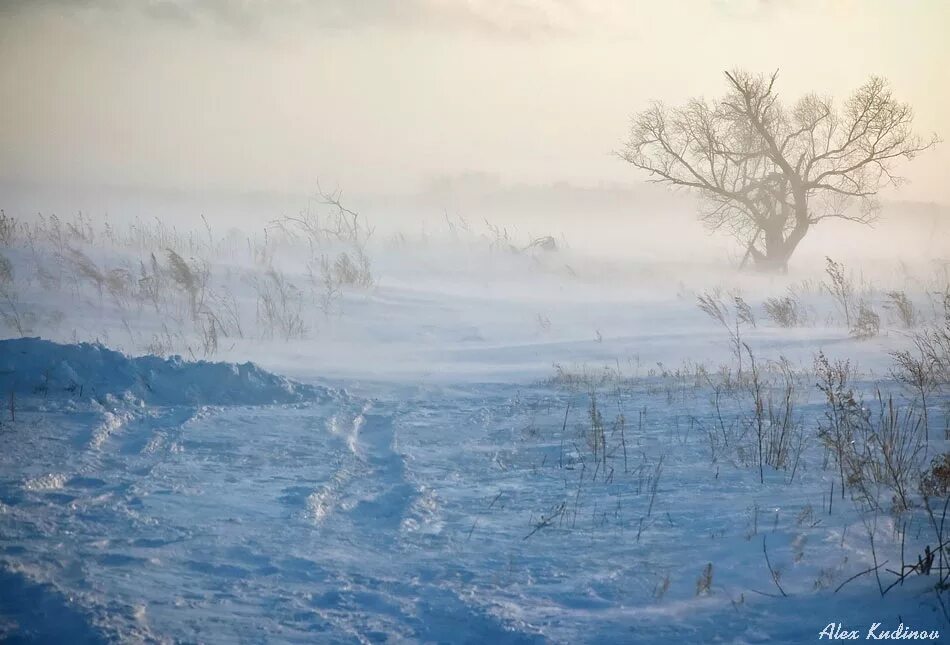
x,y
935,481
744,313
918,371
889,454
6,271
13,314
875,453
223,308
120,284
323,285
934,344
841,288
784,440
8,229
711,303
82,266
902,308
353,271
786,311
208,328
164,343
151,282
776,426
191,278
328,279
279,306
867,323
843,413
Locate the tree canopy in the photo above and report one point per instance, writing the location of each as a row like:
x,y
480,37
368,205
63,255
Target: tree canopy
x,y
767,173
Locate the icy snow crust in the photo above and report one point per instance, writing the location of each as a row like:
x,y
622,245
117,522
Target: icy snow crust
x,y
130,510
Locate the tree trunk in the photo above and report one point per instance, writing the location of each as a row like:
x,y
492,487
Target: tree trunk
x,y
779,246
777,251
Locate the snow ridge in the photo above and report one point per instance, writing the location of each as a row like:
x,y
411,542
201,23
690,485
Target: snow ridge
x,y
36,367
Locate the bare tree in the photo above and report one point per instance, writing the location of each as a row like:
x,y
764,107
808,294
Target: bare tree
x,y
768,173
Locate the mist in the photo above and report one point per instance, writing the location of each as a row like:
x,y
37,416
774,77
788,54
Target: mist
x,y
474,320
385,99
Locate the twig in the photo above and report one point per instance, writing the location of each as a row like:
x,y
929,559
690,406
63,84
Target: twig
x,y
771,570
546,521
858,575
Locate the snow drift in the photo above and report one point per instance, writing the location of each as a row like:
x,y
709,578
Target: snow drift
x,y
36,367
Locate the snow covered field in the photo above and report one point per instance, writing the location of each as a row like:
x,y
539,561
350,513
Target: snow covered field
x,y
476,438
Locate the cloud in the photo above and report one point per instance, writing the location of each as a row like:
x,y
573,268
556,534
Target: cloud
x,y
500,17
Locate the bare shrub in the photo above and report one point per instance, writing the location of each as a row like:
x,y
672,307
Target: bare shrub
x,y
935,481
875,453
51,230
606,440
328,221
712,304
190,278
6,271
890,454
934,343
353,272
843,414
597,434
544,243
323,285
84,267
840,286
867,323
918,371
900,305
120,284
13,313
776,426
223,308
164,342
786,311
8,229
208,327
279,306
784,440
744,313
151,282
81,229
757,388
499,239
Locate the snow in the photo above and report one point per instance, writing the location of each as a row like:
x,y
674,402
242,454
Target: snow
x,y
92,371
423,472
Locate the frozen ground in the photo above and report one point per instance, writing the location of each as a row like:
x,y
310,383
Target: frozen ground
x,y
410,515
428,474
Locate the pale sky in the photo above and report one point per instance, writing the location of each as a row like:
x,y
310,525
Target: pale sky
x,y
383,96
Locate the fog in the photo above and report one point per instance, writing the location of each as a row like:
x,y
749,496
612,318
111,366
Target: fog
x,y
502,321
430,115
220,101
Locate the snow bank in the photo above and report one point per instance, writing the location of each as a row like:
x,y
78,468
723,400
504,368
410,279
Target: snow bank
x,y
36,367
